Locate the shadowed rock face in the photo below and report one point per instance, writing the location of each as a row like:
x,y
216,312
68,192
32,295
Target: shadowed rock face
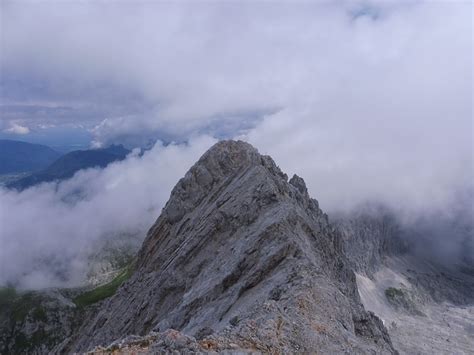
x,y
242,258
369,235
425,300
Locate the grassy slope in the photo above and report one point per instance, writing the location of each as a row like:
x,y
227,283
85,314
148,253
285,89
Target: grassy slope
x,y
104,291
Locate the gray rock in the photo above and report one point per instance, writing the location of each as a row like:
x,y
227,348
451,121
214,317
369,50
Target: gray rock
x,y
245,259
369,234
426,303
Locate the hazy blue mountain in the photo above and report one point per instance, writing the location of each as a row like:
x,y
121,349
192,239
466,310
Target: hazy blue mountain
x,y
67,165
20,157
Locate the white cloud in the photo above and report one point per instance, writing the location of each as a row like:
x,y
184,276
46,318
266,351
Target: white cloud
x,y
16,128
365,105
191,64
45,231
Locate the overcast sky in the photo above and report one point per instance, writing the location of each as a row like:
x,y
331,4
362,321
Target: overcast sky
x,y
366,100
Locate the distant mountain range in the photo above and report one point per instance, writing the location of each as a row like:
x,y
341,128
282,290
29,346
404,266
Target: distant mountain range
x,y
67,165
20,157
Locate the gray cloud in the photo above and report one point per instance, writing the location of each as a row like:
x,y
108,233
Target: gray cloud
x,y
186,63
365,100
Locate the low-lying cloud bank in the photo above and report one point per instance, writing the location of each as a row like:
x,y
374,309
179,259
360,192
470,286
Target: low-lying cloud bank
x,y
48,232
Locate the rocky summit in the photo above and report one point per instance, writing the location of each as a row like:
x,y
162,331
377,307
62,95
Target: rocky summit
x,y
240,260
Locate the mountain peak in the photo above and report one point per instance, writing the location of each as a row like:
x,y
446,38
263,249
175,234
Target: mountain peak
x,y
241,256
229,156
225,161
230,147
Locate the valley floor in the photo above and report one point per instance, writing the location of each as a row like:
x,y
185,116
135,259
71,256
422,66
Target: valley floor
x,y
416,324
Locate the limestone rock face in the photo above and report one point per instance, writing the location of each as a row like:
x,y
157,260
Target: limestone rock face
x,y
369,235
243,259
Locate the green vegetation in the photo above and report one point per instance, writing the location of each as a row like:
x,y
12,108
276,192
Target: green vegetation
x,y
21,342
22,306
39,314
24,344
392,293
102,292
7,296
16,307
19,305
403,299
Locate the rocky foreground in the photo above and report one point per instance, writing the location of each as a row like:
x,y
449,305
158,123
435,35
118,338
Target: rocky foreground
x,y
242,260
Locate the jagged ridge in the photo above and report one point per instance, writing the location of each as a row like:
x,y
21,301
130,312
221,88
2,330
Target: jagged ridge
x,y
241,256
